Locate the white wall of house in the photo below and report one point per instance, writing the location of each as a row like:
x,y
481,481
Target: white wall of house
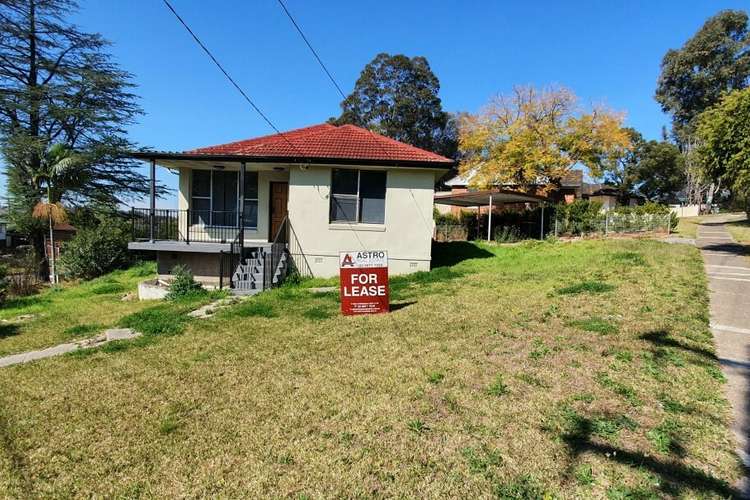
x,y
266,175
406,233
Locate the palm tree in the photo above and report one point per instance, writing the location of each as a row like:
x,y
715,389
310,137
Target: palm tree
x,y
56,163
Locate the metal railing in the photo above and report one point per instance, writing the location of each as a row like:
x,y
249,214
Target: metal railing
x,y
200,226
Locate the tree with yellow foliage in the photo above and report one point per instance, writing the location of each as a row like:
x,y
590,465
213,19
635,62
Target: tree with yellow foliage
x,y
533,137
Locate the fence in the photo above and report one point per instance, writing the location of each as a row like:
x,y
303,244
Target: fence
x,y
612,222
451,232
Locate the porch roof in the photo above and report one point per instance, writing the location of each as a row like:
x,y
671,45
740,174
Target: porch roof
x,y
318,144
482,198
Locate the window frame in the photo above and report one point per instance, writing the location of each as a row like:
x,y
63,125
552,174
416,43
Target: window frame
x,y
357,198
239,217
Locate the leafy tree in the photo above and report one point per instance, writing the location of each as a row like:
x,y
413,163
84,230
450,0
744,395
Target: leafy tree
x,y
397,96
660,170
533,136
725,151
715,60
59,86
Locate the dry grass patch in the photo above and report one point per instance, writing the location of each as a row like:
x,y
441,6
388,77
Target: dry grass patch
x,y
480,385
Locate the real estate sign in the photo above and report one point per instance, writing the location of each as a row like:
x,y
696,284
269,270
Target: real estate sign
x,y
364,282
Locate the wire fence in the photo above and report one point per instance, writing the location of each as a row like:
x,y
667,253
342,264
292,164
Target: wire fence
x,y
601,224
613,223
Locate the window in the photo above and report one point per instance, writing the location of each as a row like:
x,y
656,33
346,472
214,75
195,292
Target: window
x,y
215,198
358,196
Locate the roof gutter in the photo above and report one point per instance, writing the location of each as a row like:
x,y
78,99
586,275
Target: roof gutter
x,y
160,155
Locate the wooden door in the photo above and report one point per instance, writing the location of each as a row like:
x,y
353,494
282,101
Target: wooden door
x,y
278,202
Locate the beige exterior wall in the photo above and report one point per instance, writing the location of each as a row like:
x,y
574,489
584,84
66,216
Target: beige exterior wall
x,y
265,177
406,234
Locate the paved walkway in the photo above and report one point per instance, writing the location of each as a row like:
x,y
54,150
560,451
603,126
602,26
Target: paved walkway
x,y
728,268
108,336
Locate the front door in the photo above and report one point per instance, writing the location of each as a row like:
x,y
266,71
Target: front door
x,y
278,202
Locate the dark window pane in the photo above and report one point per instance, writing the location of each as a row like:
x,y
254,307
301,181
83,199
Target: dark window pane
x,y
250,214
344,182
251,185
372,197
200,213
225,199
202,183
343,208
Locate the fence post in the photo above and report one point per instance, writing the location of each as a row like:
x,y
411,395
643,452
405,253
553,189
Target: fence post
x,y
606,223
555,225
221,269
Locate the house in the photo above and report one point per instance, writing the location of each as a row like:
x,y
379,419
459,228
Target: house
x,y
252,210
570,189
61,232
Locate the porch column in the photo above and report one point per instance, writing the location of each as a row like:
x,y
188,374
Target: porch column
x,y
152,205
242,205
541,229
489,221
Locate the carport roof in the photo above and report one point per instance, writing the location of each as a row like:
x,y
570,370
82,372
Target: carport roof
x,y
481,198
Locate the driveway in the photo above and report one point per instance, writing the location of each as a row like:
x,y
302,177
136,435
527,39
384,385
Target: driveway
x,y
728,269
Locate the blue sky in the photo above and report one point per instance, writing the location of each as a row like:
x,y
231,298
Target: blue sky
x,y
604,51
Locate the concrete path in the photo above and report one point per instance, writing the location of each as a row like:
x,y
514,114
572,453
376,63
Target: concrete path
x,y
728,269
108,336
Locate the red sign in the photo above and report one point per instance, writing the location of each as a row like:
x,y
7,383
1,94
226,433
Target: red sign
x,y
364,282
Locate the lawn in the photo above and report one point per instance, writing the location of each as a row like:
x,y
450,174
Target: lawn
x,y
569,369
69,312
740,231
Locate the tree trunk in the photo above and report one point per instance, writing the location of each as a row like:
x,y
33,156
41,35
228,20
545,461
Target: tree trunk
x,y
53,270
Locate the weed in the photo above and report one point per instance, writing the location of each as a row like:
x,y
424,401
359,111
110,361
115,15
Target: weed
x,y
498,387
596,325
481,459
584,475
521,488
665,437
253,308
586,287
417,426
632,258
618,388
82,330
157,320
531,380
317,313
435,377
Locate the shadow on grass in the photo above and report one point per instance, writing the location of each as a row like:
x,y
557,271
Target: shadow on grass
x,y
662,338
453,252
401,305
676,477
8,330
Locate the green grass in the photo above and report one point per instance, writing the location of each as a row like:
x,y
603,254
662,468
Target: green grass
x,y
62,313
406,404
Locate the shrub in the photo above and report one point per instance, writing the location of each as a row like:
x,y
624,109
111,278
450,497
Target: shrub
x,y
183,284
95,251
24,279
581,216
3,282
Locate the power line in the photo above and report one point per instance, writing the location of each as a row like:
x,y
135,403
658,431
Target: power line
x,y
309,45
231,80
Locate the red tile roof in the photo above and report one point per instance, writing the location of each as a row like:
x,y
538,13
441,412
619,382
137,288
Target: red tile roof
x,y
326,141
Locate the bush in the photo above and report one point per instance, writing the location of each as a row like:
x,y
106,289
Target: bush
x,y
3,282
183,284
24,278
581,216
95,251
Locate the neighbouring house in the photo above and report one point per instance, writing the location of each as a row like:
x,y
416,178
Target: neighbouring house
x,y
252,210
61,232
571,187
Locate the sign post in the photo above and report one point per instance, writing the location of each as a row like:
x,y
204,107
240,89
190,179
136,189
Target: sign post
x,y
363,279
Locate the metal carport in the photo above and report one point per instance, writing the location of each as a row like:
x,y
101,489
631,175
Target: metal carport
x,y
488,198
